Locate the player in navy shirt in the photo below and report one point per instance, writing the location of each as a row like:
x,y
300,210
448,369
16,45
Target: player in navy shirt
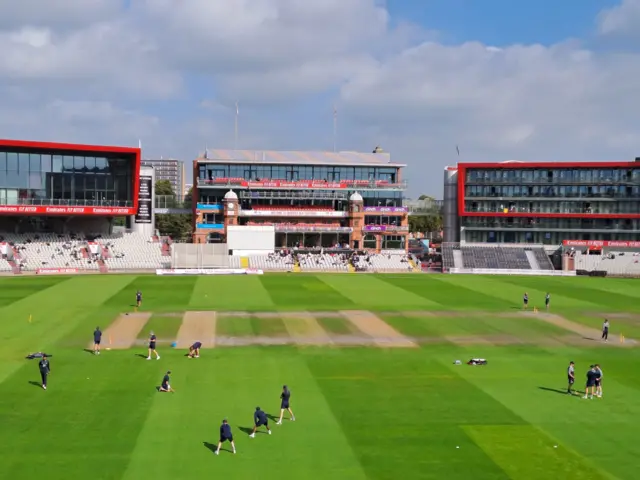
x,y
45,370
166,383
194,350
152,346
525,301
138,298
225,436
285,398
592,375
260,419
97,338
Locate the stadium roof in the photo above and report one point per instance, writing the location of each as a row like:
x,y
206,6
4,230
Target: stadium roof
x,y
299,158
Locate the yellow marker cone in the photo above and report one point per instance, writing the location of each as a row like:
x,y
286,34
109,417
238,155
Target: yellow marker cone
x,y
30,318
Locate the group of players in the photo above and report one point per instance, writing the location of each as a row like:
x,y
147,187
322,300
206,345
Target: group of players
x,y
594,381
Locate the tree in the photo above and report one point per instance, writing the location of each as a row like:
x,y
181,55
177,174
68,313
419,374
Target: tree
x,y
163,187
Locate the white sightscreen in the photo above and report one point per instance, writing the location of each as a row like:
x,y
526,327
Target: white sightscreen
x,y
251,238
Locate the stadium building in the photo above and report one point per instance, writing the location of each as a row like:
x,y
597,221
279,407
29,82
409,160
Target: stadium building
x,y
300,199
542,203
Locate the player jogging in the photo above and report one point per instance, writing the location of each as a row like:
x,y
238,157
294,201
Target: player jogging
x,y
525,301
605,330
260,419
152,346
165,386
284,405
547,299
591,382
571,377
194,350
225,436
599,381
138,298
97,338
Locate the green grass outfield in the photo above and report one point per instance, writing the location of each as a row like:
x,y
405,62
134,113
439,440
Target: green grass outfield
x,y
362,412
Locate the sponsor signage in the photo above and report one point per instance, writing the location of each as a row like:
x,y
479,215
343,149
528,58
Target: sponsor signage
x,y
295,228
210,271
600,243
207,206
56,210
386,209
212,226
56,271
300,184
385,228
292,213
143,215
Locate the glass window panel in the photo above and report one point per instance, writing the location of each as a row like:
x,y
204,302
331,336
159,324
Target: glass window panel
x,y
12,161
34,162
23,161
78,163
90,163
67,163
3,161
57,164
102,164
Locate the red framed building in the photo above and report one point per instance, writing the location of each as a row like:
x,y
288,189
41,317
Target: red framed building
x,y
542,202
63,179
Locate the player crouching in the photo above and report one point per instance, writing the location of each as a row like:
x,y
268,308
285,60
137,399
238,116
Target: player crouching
x,y
225,436
260,419
166,385
194,350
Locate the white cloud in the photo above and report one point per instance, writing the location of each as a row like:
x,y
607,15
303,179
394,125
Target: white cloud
x,y
85,70
623,19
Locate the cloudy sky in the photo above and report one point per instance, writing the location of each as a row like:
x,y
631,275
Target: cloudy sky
x,y
503,79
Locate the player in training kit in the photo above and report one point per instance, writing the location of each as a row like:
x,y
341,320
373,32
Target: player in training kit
x,y
591,382
547,300
605,330
525,301
152,346
97,338
225,436
194,350
260,419
571,377
45,370
285,397
165,386
138,298
598,381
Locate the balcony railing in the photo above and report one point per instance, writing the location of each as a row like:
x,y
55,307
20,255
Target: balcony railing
x,y
173,201
241,183
534,212
551,181
65,203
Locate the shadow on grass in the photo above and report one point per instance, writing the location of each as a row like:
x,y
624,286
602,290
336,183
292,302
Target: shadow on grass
x,y
88,350
554,390
35,384
247,430
140,355
272,417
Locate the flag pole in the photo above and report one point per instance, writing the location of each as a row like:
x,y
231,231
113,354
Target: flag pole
x,y
335,129
236,127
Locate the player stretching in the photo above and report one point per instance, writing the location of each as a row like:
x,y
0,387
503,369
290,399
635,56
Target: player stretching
x,y
571,377
599,381
284,405
166,383
194,350
225,436
260,419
